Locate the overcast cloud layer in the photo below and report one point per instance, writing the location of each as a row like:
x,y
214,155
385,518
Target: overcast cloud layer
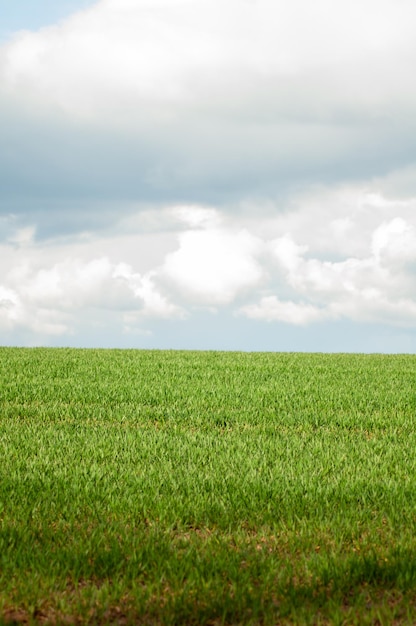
x,y
197,173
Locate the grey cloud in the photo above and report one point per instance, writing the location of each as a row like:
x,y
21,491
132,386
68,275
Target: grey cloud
x,y
86,138
73,178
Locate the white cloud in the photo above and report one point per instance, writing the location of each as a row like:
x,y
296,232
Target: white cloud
x,y
287,253
51,299
197,216
16,313
245,60
213,266
270,308
394,242
144,288
23,236
374,282
334,221
10,307
167,264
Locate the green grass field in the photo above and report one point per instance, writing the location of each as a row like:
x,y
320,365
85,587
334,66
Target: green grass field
x,y
152,487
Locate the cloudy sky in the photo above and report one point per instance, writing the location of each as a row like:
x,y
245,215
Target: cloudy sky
x,y
235,175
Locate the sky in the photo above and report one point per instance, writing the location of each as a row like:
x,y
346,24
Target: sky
x,y
201,174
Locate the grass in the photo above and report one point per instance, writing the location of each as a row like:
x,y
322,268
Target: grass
x,y
152,487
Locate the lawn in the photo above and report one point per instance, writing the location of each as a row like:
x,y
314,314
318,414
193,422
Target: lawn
x,y
176,487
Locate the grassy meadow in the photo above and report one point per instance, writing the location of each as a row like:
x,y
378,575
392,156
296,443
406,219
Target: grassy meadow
x,y
168,487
